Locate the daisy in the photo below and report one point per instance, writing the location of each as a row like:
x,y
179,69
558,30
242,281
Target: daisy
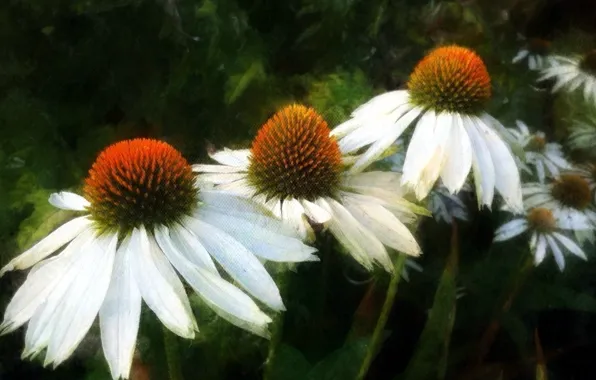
x,y
294,168
144,221
583,135
546,234
546,158
570,200
536,53
445,100
572,73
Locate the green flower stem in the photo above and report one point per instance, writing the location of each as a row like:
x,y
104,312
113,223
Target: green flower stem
x,y
511,292
172,355
377,337
276,335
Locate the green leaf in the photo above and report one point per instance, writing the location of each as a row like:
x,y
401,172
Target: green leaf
x,y
237,84
289,364
341,364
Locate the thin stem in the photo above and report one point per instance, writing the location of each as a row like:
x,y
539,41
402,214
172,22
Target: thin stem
x,y
377,337
274,343
172,356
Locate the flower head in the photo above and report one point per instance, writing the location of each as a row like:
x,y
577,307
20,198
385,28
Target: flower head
x,y
536,52
573,73
446,96
145,220
365,212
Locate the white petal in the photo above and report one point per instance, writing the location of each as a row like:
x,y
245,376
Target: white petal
x,y
519,56
188,244
540,251
558,255
384,225
511,229
482,165
239,262
259,240
159,285
292,213
381,104
237,158
214,290
48,245
68,201
82,300
316,213
232,204
120,314
201,168
458,160
570,245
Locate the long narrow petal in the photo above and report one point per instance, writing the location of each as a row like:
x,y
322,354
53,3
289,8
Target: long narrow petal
x,y
239,262
570,245
160,287
458,160
557,254
68,201
293,214
239,158
482,165
260,241
381,104
48,245
510,229
213,289
540,252
315,213
83,299
189,245
119,315
203,168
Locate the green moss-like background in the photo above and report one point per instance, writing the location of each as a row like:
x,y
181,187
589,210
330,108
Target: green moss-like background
x,y
77,75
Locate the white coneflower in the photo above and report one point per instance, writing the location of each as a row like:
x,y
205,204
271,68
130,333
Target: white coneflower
x,y
570,200
583,135
573,73
144,220
588,172
536,52
546,233
445,99
547,158
295,169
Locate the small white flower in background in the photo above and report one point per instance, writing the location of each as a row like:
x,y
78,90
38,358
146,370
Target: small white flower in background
x,y
446,206
547,234
535,52
145,220
547,158
588,173
570,200
574,73
446,97
296,170
583,135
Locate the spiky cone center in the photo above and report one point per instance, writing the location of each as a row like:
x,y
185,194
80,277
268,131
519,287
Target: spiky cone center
x,y
450,79
139,182
294,156
536,144
588,63
572,191
542,220
539,46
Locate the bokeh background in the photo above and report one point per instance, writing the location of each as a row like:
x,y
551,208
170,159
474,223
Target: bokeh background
x,y
77,75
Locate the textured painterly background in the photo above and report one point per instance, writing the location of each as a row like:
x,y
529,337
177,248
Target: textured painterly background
x,y
76,75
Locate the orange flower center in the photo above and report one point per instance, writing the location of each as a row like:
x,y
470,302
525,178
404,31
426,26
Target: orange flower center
x,y
536,144
542,219
450,79
572,191
293,156
139,182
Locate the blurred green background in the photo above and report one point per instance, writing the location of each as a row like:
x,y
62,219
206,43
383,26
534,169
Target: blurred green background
x,y
77,75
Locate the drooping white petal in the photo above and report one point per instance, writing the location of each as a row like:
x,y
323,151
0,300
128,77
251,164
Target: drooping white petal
x,y
82,300
48,245
482,165
213,289
120,314
314,212
519,56
293,214
231,204
189,245
239,262
40,283
159,285
68,201
458,161
570,245
540,251
557,254
239,158
381,104
384,225
202,168
261,241
510,229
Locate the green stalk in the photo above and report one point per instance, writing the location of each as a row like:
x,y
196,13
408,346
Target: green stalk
x,y
377,337
276,335
172,355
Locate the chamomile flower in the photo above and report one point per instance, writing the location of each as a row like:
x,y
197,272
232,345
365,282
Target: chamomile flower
x,y
583,135
295,169
546,234
445,99
547,158
570,200
536,53
574,73
144,221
